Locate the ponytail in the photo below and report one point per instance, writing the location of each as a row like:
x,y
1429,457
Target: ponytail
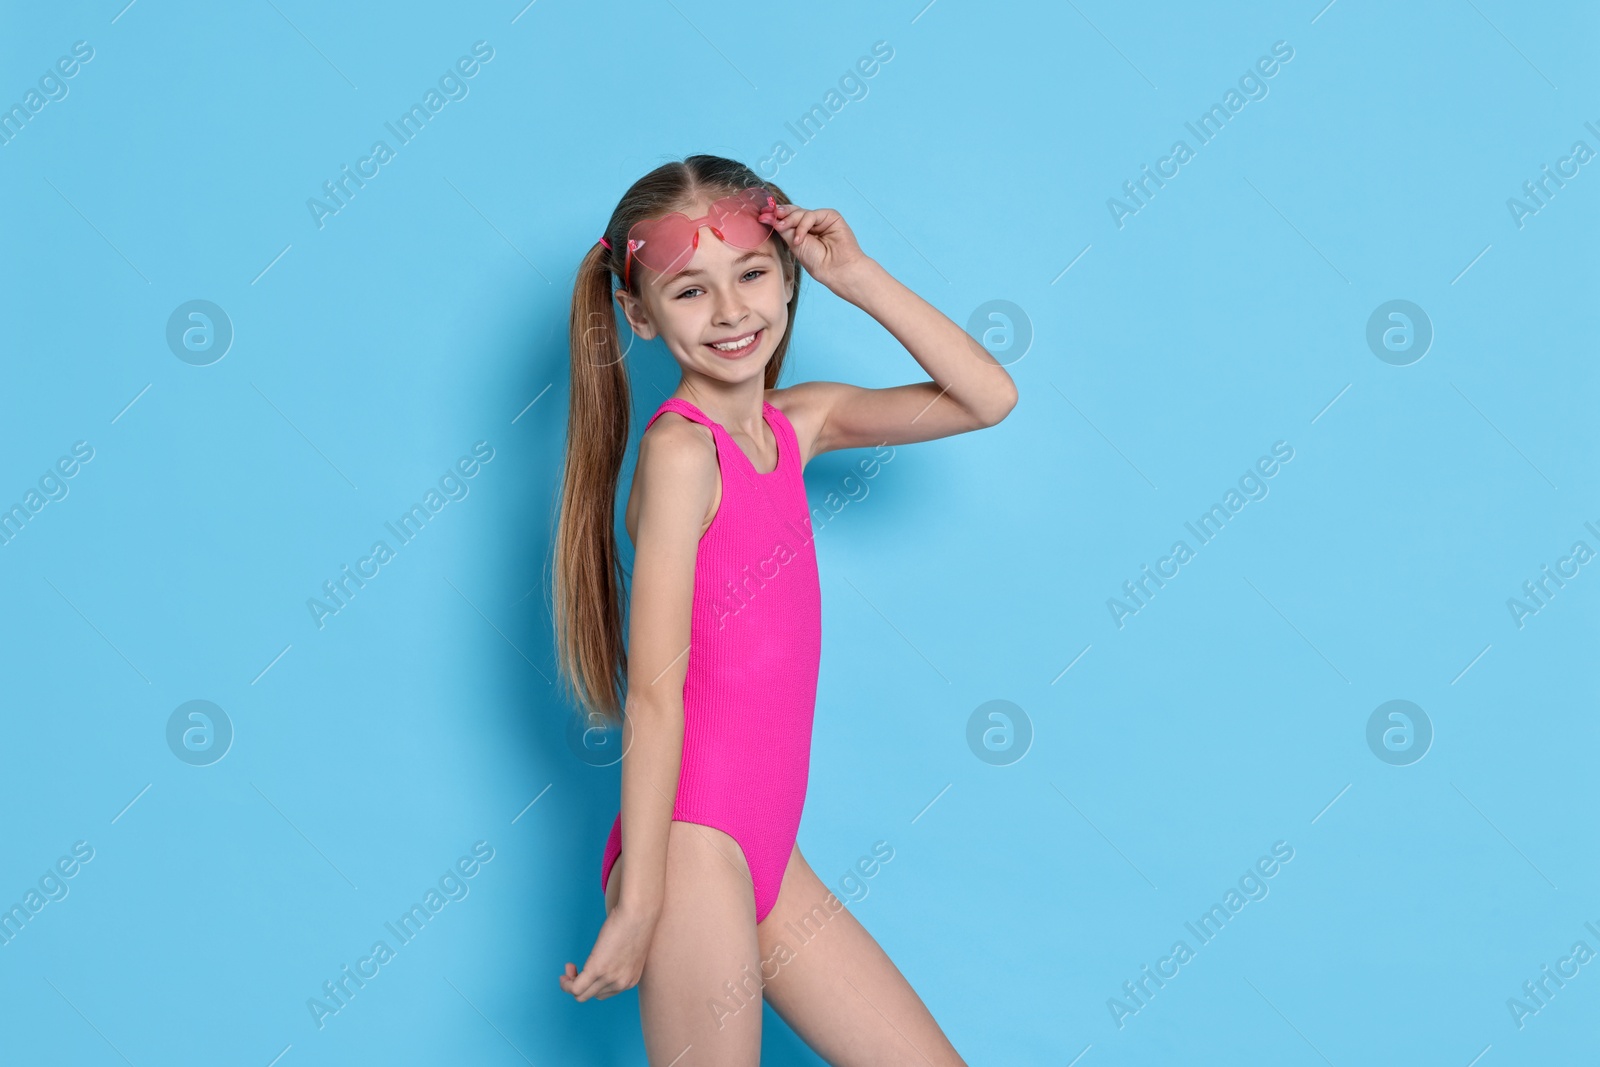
x,y
587,577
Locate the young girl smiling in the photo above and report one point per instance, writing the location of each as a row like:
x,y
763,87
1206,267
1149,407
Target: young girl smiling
x,y
702,877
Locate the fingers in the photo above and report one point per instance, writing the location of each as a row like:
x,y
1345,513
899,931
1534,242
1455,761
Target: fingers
x,y
788,217
593,982
796,223
581,987
779,224
808,220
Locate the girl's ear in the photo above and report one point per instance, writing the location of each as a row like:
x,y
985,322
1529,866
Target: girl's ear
x,y
633,310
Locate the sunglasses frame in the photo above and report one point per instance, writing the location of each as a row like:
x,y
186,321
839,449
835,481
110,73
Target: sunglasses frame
x,y
749,201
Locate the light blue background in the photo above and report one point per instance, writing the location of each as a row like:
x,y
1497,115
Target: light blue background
x,y
1228,314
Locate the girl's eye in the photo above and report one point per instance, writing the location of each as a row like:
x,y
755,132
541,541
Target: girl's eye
x,y
758,271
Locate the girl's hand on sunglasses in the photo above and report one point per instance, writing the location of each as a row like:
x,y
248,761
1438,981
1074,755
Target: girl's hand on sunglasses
x,y
819,239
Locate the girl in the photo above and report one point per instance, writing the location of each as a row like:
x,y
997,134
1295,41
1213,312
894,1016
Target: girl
x,y
707,894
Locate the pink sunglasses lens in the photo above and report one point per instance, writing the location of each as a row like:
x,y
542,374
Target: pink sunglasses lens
x,y
668,243
740,223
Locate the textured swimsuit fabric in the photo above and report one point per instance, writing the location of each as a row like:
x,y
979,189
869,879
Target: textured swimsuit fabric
x,y
749,694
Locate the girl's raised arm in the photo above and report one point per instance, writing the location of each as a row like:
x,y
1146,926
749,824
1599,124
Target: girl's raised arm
x,y
969,388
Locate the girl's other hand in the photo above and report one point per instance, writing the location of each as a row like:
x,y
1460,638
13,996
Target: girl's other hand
x,y
819,239
617,959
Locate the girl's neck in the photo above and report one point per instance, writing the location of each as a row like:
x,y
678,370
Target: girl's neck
x,y
734,407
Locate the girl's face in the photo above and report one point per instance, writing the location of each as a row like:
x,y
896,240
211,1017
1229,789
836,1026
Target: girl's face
x,y
722,295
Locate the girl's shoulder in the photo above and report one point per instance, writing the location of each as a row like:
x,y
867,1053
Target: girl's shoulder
x,y
676,455
673,431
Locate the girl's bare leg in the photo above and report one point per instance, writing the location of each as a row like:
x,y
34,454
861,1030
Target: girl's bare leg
x,y
832,983
706,937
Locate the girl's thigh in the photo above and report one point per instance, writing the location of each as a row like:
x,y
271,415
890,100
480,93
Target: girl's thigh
x,y
704,942
831,982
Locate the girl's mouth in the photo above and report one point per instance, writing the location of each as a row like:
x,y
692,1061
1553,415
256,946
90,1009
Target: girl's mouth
x,y
739,346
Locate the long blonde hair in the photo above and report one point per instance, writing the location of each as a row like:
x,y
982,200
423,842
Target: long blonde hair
x,y
588,580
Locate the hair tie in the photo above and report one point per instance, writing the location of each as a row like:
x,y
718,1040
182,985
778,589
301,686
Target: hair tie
x,y
605,242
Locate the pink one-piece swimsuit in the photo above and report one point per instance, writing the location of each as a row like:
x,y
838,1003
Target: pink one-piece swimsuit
x,y
755,640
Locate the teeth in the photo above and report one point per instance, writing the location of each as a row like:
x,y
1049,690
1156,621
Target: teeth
x,y
734,346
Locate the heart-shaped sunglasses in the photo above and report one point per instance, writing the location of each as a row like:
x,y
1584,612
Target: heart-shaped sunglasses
x,y
666,244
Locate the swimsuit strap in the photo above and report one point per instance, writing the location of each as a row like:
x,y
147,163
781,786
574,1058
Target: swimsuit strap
x,y
782,430
779,492
788,439
684,408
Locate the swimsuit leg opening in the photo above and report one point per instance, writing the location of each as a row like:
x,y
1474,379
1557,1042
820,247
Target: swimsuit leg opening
x,y
743,853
